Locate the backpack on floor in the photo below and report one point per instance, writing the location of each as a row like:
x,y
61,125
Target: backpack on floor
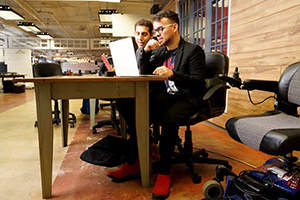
x,y
109,151
85,109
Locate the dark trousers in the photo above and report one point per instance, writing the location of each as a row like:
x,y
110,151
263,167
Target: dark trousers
x,y
169,111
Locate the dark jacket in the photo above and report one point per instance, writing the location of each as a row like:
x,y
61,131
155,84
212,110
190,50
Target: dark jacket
x,y
189,69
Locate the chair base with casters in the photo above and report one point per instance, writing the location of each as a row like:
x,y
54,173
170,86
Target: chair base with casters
x,y
275,132
187,156
56,119
114,122
102,105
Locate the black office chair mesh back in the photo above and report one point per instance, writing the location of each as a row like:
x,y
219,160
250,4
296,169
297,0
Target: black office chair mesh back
x,y
47,69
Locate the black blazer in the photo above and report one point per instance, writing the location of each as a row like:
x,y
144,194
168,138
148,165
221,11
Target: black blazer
x,y
189,69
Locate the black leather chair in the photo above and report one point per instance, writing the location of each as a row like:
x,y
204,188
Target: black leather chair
x,y
52,69
275,132
113,121
215,97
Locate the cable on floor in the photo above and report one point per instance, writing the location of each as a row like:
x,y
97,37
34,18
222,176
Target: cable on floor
x,y
235,159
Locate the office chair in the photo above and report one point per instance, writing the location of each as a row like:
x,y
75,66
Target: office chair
x,y
114,122
275,132
215,98
52,69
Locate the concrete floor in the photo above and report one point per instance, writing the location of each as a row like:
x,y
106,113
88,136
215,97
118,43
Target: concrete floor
x,y
75,179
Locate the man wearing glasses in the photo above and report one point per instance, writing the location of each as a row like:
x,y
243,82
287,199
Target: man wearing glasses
x,y
184,64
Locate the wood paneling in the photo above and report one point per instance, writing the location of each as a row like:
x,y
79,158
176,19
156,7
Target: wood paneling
x,y
264,40
170,5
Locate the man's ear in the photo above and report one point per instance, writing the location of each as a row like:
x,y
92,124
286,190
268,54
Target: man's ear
x,y
175,27
151,35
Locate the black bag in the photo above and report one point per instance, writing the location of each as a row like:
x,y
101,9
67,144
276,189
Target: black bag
x,y
109,151
85,109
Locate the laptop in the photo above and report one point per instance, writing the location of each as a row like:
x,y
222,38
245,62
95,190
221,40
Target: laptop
x,y
123,56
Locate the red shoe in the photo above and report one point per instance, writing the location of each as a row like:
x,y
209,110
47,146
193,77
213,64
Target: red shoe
x,y
125,173
162,187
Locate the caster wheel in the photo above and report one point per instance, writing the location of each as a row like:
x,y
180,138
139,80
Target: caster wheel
x,y
229,167
72,126
197,179
213,189
94,131
205,154
35,124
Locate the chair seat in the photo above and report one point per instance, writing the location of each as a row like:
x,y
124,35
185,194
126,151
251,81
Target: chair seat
x,y
274,132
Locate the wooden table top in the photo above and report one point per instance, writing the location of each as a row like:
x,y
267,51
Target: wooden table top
x,y
91,78
12,75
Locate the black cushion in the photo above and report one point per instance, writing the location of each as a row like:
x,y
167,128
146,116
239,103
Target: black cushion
x,y
269,135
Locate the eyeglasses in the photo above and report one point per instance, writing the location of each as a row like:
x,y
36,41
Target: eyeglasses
x,y
161,28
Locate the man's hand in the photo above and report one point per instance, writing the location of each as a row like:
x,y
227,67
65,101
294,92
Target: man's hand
x,y
151,44
163,71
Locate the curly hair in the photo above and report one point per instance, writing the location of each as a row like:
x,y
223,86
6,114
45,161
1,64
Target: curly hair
x,y
169,14
144,22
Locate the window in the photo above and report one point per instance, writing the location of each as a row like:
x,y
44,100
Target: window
x,y
205,22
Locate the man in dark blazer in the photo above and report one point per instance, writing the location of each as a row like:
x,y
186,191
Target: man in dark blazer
x,y
184,64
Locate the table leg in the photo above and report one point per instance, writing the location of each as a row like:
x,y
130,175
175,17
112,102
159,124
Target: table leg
x,y
45,132
92,111
142,127
64,121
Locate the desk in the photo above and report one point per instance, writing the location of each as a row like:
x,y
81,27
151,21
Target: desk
x,y
11,76
71,87
3,76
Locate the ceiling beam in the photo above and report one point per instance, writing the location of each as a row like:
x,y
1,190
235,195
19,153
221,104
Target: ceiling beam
x,y
31,11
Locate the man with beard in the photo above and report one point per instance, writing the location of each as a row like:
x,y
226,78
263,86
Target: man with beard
x,y
184,65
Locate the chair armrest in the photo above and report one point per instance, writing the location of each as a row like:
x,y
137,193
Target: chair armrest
x,y
212,90
234,82
269,86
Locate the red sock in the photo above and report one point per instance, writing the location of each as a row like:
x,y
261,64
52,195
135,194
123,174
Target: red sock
x,y
162,186
125,171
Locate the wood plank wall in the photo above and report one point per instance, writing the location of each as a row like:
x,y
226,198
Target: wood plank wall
x,y
264,40
170,5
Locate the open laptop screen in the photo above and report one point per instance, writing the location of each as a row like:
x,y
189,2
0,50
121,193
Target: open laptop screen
x,y
123,56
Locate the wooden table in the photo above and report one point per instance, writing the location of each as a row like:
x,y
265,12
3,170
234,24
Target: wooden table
x,y
71,87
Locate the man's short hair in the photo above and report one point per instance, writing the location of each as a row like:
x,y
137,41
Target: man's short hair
x,y
169,14
144,22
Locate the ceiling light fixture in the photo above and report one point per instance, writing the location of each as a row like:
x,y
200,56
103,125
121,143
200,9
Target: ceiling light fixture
x,y
106,15
44,36
105,28
8,14
28,26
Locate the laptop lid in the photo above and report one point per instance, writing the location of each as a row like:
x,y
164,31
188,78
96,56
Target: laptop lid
x,y
123,56
106,63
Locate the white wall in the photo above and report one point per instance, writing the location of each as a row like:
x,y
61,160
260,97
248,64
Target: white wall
x,y
1,55
123,24
19,60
